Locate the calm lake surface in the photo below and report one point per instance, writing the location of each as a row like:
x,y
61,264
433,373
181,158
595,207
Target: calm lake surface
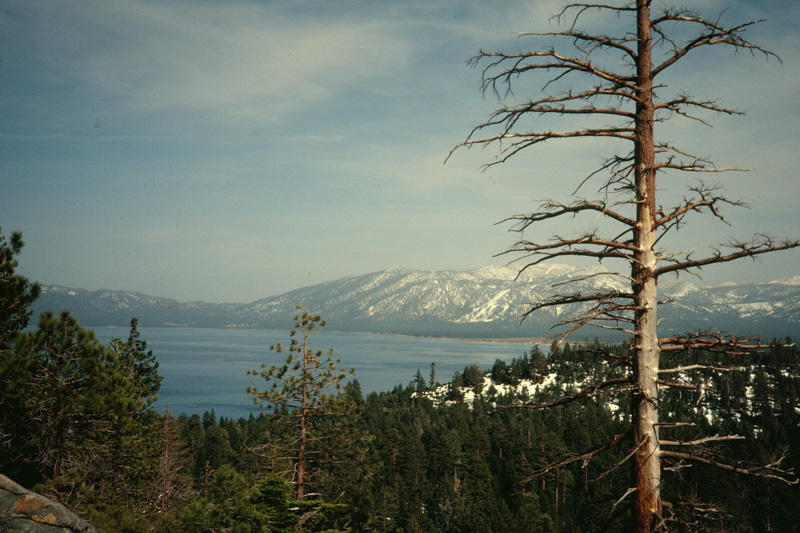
x,y
205,369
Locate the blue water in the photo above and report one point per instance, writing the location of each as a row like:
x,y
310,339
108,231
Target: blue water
x,y
206,368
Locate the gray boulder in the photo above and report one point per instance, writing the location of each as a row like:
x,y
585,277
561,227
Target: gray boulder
x,y
23,511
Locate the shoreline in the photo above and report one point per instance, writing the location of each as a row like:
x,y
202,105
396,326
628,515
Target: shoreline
x,y
504,340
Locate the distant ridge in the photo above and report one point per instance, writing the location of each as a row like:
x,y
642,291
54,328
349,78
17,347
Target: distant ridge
x,y
483,303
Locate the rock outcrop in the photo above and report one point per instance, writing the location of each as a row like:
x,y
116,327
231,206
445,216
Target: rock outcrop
x,y
23,511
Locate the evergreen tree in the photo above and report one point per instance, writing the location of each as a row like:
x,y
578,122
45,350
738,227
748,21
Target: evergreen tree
x,y
140,367
271,500
306,386
226,507
65,397
217,449
16,293
418,383
16,296
78,419
172,487
193,434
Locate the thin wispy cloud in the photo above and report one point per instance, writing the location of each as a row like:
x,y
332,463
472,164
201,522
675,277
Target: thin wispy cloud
x,y
317,138
234,60
233,150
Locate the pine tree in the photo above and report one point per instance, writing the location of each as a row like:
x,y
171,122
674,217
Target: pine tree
x,y
615,85
16,296
139,366
173,481
16,293
306,387
65,397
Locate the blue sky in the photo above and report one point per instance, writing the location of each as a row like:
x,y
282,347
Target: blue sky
x,y
230,151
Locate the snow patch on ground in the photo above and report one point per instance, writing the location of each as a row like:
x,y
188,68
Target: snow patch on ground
x,y
709,404
488,311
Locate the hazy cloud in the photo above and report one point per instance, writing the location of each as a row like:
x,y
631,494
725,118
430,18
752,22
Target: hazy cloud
x,y
232,150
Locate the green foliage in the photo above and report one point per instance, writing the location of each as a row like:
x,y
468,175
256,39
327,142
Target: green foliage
x,y
118,518
76,417
65,397
139,366
227,507
306,388
16,292
236,504
271,500
74,414
460,467
309,380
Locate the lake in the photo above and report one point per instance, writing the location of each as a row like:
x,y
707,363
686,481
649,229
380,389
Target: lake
x,y
206,368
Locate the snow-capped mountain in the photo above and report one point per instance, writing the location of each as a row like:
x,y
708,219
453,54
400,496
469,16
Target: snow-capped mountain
x,y
487,302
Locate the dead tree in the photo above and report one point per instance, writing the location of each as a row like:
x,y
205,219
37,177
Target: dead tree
x,y
614,85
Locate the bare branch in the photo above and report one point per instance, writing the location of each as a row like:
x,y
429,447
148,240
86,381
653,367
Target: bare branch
x,y
619,168
769,471
699,367
606,310
682,101
557,104
679,385
697,442
583,7
546,60
590,276
708,200
596,41
602,297
529,139
712,341
760,244
676,424
552,209
577,247
628,492
586,456
619,463
712,34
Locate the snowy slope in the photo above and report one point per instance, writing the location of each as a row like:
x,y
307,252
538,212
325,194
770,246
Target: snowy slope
x,y
486,302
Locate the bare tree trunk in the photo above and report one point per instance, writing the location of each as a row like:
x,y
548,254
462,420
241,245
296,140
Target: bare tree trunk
x,y
301,449
609,90
166,465
647,471
301,458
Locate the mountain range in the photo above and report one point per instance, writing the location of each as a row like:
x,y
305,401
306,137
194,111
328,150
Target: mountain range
x,y
482,303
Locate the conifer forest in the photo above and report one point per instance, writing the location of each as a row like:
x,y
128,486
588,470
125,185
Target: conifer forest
x,y
526,445
688,433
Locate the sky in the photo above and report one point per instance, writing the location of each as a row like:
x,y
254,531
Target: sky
x,y
231,151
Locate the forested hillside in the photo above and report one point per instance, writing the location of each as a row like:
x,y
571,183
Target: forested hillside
x,y
490,450
472,460
681,415
460,456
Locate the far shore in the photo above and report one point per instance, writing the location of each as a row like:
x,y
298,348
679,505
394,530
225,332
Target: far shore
x,y
504,340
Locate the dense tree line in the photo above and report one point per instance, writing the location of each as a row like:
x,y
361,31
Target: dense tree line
x,y
438,463
470,455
